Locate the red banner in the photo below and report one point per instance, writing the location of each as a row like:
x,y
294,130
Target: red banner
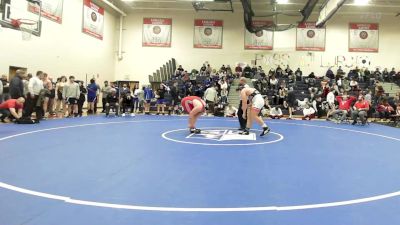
x,y
309,37
157,32
93,19
363,37
261,40
208,33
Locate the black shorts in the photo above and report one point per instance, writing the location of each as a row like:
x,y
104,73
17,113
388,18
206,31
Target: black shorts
x,y
59,95
72,101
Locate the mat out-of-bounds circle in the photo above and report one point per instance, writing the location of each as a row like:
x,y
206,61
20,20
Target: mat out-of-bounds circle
x,y
221,136
210,136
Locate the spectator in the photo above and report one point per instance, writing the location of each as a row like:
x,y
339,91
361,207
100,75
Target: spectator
x,y
230,111
1,92
290,102
140,94
224,90
135,100
91,96
276,113
360,110
60,100
211,97
330,98
340,71
392,75
343,107
82,97
318,106
112,102
6,87
71,94
49,97
273,82
11,108
148,95
126,100
299,74
105,90
378,74
288,71
16,85
97,96
160,96
35,86
238,70
385,75
354,85
308,112
385,110
330,74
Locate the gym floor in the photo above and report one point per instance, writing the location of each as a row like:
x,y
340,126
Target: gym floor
x,y
149,170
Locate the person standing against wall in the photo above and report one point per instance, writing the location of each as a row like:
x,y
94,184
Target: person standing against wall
x,y
17,85
35,86
71,94
91,96
104,92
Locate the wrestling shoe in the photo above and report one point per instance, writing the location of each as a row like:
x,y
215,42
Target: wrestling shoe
x,y
266,130
195,131
245,132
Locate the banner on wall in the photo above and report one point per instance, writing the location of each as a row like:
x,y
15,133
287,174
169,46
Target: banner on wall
x,y
93,19
208,33
157,32
364,37
261,40
51,9
309,37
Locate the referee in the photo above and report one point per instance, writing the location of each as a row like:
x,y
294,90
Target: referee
x,y
242,122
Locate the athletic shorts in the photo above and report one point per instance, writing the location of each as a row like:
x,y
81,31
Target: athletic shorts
x,y
72,101
257,102
147,100
91,98
59,95
160,101
187,103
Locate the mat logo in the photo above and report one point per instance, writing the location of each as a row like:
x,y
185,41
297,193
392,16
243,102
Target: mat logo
x,y
222,135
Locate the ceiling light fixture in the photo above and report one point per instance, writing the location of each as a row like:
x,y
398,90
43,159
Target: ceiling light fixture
x,y
282,1
361,2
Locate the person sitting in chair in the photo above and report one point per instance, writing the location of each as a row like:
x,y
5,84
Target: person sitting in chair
x,y
112,102
360,110
343,107
12,109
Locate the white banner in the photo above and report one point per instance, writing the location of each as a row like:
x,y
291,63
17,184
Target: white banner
x,y
208,33
309,37
93,19
262,40
157,32
51,9
364,37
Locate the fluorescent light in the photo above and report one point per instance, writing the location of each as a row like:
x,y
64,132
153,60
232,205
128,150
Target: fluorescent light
x,y
361,2
282,1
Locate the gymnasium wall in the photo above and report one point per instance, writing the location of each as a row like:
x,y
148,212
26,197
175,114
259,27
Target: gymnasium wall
x,y
63,49
139,62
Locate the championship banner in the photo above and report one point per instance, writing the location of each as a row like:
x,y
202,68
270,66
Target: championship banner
x,y
261,40
51,9
93,19
208,33
157,32
364,37
309,37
